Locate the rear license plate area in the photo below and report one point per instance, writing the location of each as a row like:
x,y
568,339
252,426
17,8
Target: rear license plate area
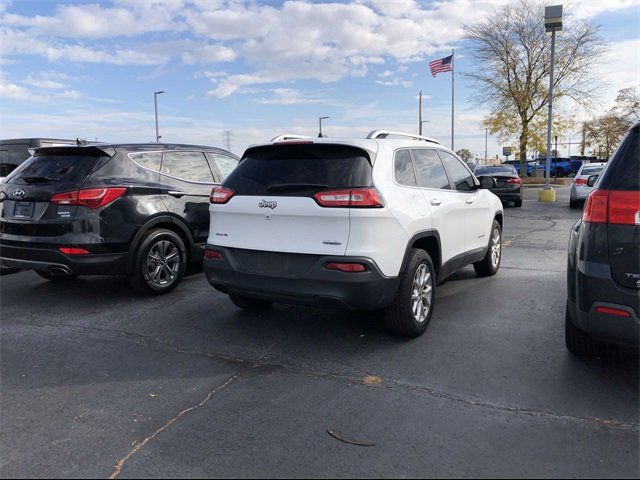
x,y
23,210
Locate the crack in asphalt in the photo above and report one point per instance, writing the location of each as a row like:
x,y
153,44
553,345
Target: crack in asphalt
x,y
139,446
386,383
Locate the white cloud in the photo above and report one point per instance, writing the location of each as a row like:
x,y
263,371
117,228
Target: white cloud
x,y
289,96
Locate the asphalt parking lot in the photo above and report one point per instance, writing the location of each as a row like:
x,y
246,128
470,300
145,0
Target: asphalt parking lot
x,y
97,381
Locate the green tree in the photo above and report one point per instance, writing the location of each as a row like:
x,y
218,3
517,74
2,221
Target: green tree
x,y
465,154
512,52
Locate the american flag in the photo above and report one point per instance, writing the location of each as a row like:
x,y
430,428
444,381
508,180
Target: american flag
x,y
441,65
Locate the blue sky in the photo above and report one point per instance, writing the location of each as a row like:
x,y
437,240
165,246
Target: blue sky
x,y
257,69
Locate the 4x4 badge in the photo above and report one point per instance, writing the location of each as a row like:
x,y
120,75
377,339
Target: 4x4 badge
x,y
267,204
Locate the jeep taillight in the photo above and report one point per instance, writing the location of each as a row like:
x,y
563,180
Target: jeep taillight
x,y
353,198
90,197
220,194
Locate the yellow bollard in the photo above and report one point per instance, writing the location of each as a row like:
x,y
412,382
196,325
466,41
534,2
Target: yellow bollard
x,y
546,195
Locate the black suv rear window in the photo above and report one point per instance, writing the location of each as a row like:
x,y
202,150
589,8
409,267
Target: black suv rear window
x,y
625,174
292,170
54,167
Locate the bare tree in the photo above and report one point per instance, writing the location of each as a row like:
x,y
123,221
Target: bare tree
x,y
605,132
512,52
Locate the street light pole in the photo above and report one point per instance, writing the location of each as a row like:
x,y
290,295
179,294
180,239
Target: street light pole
x,y
553,23
320,125
155,105
486,138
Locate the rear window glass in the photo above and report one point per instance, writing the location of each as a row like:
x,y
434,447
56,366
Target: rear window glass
x,y
298,169
626,160
405,174
54,168
495,170
593,170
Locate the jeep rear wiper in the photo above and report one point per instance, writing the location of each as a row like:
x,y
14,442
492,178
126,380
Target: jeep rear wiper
x,y
295,186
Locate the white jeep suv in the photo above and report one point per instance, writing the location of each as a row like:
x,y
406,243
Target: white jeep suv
x,y
369,224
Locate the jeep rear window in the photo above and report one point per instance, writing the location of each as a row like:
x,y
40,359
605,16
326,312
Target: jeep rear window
x,y
54,167
294,170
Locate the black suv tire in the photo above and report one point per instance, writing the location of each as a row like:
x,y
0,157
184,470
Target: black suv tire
x,y
400,316
517,203
166,251
250,304
488,266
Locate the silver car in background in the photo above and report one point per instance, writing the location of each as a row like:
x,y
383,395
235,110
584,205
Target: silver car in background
x,y
579,188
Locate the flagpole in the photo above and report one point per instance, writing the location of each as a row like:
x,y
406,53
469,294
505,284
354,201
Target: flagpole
x,y
453,74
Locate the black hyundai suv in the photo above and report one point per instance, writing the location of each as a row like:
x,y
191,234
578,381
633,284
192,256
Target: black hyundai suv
x,y
604,257
140,210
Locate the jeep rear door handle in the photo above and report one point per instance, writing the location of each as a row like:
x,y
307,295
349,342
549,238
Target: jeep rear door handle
x,y
435,202
173,193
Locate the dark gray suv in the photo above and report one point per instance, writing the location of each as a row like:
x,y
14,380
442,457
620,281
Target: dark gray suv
x,y
604,257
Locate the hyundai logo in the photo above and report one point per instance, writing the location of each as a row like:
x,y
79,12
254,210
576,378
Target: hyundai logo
x,y
267,204
19,193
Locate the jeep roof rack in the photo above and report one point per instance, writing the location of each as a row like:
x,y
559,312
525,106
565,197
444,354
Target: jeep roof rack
x,y
379,134
282,138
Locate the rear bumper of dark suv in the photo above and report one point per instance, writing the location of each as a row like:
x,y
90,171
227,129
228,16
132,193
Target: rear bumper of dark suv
x,y
49,258
300,279
598,305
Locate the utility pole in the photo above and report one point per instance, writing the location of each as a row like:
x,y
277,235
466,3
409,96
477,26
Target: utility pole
x,y
226,140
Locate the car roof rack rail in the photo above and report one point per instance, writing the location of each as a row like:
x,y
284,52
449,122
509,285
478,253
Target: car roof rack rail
x,y
377,134
282,138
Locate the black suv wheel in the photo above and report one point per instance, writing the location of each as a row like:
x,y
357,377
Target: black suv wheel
x,y
160,262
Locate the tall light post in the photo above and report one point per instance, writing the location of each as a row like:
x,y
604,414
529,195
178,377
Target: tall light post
x,y
553,24
320,135
155,104
486,138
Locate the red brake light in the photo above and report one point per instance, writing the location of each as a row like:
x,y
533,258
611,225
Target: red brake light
x,y
595,210
212,254
581,181
220,194
613,311
624,207
91,197
355,198
514,180
346,267
73,251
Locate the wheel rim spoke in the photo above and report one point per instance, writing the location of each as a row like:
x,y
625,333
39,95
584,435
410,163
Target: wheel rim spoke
x,y
421,293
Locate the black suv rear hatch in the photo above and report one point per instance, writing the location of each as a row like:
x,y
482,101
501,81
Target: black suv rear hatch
x,y
27,191
622,179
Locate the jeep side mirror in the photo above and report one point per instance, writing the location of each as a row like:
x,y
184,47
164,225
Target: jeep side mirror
x,y
592,180
487,182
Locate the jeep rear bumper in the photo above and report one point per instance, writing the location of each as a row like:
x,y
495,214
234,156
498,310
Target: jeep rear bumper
x,y
300,279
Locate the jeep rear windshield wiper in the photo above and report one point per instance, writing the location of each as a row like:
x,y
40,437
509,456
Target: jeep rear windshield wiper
x,y
295,186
